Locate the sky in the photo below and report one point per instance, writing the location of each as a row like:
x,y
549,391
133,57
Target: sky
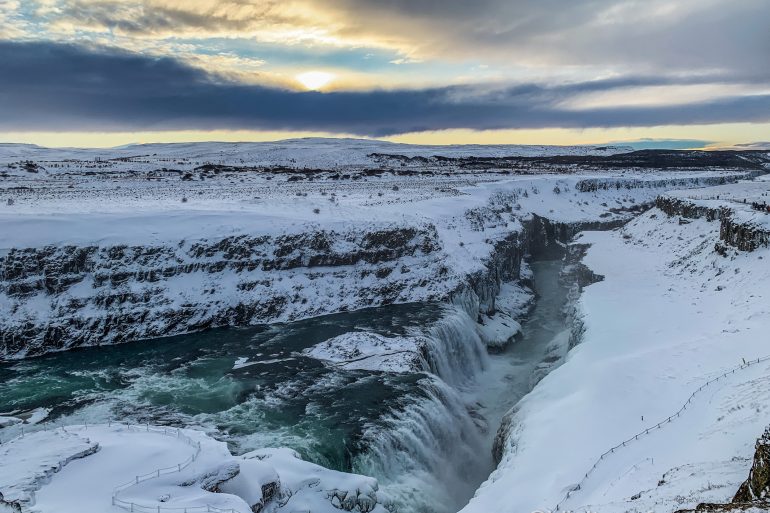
x,y
668,73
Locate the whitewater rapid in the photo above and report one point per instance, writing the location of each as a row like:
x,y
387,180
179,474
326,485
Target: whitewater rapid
x,y
426,435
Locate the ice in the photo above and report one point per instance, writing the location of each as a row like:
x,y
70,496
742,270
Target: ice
x,y
78,470
371,351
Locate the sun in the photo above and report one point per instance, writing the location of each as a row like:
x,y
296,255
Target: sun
x,y
314,80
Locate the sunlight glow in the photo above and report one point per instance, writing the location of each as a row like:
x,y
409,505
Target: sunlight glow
x,y
315,80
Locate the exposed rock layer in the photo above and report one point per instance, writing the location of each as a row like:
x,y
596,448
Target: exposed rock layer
x,y
754,494
743,235
59,297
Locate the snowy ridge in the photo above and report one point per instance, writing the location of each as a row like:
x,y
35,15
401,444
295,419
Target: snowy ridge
x,y
211,480
701,311
41,455
106,266
297,153
659,425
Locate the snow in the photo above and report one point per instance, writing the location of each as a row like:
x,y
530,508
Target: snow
x,y
67,476
37,415
500,328
7,420
127,206
670,315
31,459
737,198
296,153
371,351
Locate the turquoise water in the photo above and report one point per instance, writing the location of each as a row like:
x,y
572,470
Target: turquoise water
x,y
283,398
428,443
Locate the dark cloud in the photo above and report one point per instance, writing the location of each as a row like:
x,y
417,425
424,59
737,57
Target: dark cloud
x,y
49,86
648,36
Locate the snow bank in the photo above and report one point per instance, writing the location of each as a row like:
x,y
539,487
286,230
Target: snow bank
x,y
207,477
670,315
31,460
371,351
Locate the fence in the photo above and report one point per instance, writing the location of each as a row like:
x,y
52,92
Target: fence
x,y
653,428
139,508
132,506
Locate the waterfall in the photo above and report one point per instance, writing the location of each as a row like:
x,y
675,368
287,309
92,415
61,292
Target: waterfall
x,y
455,352
430,454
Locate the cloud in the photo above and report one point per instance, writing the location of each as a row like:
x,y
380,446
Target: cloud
x,y
52,86
598,36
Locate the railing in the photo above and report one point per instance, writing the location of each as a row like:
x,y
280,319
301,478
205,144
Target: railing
x,y
166,470
139,508
659,425
132,506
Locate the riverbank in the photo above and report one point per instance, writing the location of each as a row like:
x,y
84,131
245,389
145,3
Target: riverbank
x,y
670,314
95,258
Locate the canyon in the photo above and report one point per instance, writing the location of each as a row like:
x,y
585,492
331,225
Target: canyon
x,y
445,301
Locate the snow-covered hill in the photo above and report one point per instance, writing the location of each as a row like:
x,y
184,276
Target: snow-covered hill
x,y
107,246
300,153
670,315
103,259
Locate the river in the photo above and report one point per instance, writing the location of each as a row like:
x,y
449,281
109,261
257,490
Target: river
x,y
426,436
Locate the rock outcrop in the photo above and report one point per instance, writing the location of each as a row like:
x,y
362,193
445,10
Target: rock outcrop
x,y
757,486
746,236
734,229
575,275
212,480
679,207
754,494
60,297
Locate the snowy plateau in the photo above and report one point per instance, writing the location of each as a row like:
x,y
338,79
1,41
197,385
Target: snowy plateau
x,y
351,325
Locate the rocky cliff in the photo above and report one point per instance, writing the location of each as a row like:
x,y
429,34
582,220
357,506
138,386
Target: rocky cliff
x,y
60,297
735,229
742,234
598,184
754,494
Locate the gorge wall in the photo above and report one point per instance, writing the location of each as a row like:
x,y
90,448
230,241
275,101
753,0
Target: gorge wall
x,y
60,297
735,229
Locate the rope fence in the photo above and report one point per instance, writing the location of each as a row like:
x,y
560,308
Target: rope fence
x,y
140,508
176,433
132,506
659,425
